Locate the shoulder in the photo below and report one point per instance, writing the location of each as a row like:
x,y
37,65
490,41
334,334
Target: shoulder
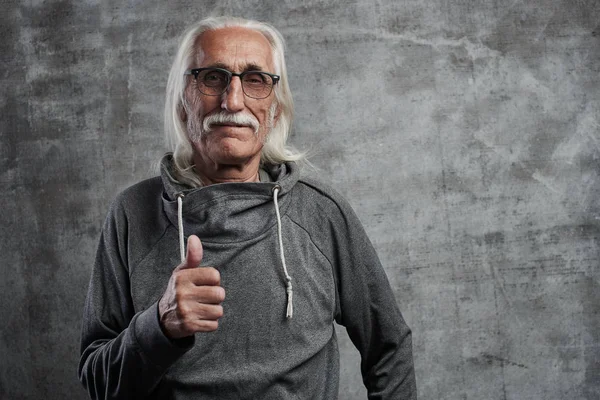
x,y
136,220
330,222
322,193
139,196
141,191
318,203
139,203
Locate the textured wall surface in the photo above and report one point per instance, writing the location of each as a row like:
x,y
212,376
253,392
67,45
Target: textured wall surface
x,y
466,134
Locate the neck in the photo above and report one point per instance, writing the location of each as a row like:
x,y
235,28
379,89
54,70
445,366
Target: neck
x,y
211,173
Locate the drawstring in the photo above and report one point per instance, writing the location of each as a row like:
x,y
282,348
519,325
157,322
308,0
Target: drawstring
x,y
180,225
288,279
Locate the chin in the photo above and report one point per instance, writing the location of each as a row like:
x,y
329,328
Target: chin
x,y
234,153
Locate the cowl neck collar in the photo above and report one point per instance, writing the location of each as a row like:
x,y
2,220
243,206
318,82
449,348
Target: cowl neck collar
x,y
227,212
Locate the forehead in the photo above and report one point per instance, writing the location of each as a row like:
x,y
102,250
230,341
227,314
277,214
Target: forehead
x,y
234,47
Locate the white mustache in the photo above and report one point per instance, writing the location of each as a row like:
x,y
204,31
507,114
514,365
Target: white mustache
x,y
223,117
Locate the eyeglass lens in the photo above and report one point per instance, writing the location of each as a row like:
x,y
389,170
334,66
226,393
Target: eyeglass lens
x,y
214,82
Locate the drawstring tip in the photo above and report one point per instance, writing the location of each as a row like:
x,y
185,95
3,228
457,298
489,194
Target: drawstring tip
x,y
180,226
290,302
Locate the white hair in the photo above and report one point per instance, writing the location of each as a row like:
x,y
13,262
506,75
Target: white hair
x,y
275,149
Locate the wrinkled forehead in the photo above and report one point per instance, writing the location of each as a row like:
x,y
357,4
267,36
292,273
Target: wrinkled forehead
x,y
234,48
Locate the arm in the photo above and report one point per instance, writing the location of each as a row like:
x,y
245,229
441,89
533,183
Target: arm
x,y
367,308
123,354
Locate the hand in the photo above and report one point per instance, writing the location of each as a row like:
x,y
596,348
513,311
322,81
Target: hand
x,y
192,301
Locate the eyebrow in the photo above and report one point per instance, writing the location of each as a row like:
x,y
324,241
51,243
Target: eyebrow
x,y
248,67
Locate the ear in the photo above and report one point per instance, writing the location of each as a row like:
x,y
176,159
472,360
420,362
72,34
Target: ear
x,y
277,114
182,113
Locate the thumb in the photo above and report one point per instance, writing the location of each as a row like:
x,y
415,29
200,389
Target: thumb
x,y
193,256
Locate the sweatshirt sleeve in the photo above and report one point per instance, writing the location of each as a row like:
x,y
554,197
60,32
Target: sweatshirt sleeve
x,y
124,354
367,307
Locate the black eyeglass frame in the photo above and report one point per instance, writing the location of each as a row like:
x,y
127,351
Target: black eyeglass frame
x,y
196,71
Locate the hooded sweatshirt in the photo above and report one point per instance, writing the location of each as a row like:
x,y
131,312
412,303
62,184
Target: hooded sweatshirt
x,y
259,351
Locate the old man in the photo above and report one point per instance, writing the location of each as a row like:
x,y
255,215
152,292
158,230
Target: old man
x,y
222,278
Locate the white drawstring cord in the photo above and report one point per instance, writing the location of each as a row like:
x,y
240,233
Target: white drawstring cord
x,y
288,284
180,224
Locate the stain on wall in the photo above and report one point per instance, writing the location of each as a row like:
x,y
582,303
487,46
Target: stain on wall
x,y
465,134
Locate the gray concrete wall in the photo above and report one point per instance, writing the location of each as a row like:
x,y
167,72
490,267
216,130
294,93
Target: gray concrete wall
x,y
465,133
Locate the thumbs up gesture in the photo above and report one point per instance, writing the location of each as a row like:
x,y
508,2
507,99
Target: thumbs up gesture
x,y
192,301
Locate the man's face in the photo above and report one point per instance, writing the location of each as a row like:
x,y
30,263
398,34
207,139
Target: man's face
x,y
237,50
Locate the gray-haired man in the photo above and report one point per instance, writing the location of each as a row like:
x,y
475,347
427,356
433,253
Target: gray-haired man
x,y
282,257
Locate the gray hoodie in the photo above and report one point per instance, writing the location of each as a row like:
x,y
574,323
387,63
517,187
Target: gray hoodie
x,y
257,352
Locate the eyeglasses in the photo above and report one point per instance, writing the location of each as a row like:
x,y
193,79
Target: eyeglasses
x,y
215,81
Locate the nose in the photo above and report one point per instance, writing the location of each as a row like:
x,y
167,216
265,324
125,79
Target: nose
x,y
233,98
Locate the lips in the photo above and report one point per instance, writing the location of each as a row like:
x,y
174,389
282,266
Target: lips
x,y
234,125
229,125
